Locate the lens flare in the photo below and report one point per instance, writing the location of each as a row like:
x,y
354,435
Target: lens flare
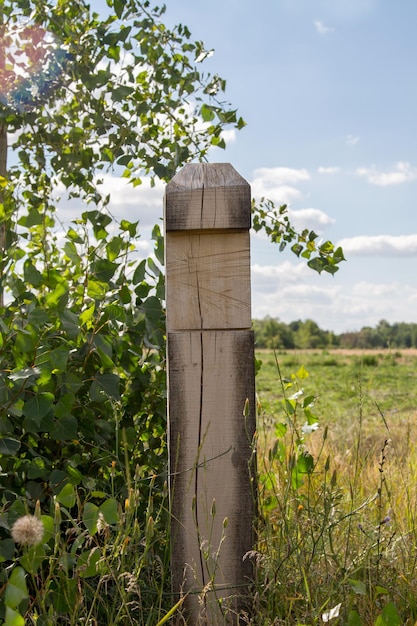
x,y
31,64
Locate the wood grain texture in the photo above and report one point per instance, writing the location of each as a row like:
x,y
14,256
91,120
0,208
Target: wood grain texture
x,y
211,376
208,281
207,196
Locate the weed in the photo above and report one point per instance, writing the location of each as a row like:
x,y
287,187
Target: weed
x,y
336,532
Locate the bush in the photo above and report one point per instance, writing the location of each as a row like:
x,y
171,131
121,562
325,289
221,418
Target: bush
x,y
83,414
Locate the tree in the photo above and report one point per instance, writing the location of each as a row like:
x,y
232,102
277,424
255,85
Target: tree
x,y
83,94
273,334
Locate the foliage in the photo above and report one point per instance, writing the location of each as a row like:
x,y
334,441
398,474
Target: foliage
x,y
276,224
384,335
100,91
302,334
82,382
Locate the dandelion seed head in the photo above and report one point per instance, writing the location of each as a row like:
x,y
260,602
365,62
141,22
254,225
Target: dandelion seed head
x,y
28,530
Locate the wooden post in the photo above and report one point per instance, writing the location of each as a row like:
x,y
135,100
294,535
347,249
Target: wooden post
x,y
211,390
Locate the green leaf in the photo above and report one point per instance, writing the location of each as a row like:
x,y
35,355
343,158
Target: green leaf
x,y
354,619
88,563
57,480
74,475
152,308
67,496
7,547
58,359
65,429
58,297
358,587
49,526
331,269
64,590
207,113
71,251
389,616
64,406
105,386
114,312
381,591
74,236
139,273
38,406
305,463
131,227
16,408
302,373
281,430
24,341
70,323
87,315
154,268
16,589
9,446
114,247
289,406
13,618
33,558
104,270
110,512
96,289
90,517
31,274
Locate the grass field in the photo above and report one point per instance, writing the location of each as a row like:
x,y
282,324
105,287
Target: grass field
x,y
338,474
373,390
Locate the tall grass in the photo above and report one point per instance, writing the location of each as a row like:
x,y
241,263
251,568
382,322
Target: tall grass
x,y
337,529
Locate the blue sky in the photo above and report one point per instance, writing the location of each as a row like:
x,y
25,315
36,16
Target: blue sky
x,y
328,90
329,93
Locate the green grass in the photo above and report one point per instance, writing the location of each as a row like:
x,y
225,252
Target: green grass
x,y
338,504
344,382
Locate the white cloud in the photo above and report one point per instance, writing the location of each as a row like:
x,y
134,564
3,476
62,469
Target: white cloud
x,y
351,140
229,135
402,173
276,183
281,175
314,219
328,170
380,245
284,273
291,291
321,28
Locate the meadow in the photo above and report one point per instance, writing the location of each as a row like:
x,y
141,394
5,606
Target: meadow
x,y
337,488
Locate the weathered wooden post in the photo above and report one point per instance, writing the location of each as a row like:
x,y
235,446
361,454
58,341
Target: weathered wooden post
x,y
211,390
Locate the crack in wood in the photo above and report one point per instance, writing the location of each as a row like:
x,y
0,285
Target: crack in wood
x,y
199,443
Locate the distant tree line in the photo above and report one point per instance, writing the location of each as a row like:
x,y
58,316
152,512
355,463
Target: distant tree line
x,y
270,332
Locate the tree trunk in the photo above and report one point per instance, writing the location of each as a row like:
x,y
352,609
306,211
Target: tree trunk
x,y
3,165
3,224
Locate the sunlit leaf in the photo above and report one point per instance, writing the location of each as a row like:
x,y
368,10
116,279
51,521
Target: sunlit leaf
x,y
16,589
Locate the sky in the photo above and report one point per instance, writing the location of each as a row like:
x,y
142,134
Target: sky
x,y
329,93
